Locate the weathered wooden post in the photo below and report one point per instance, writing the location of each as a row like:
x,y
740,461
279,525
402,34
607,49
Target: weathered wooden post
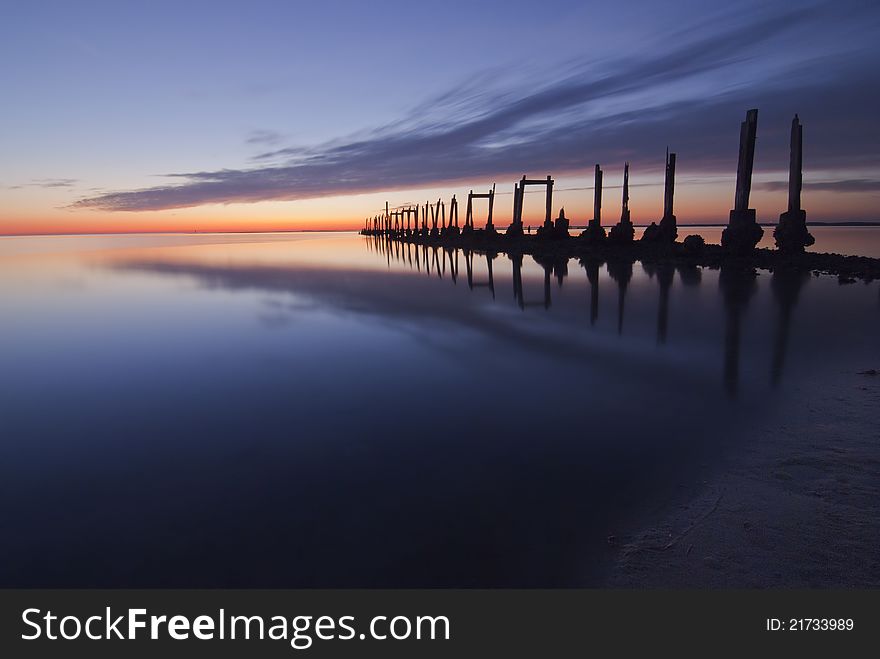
x,y
667,230
595,232
791,233
669,187
623,232
548,214
489,226
453,212
743,232
515,228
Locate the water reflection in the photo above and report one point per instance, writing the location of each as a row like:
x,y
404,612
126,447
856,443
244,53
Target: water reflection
x,y
737,286
786,285
340,411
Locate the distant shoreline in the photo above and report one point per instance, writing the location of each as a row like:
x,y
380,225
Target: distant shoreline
x,y
700,225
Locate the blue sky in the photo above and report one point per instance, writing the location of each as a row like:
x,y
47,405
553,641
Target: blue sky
x,y
295,109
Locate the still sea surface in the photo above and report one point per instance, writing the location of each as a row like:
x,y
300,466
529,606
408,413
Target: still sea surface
x,y
325,409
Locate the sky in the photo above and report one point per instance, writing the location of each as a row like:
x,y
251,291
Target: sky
x,y
274,115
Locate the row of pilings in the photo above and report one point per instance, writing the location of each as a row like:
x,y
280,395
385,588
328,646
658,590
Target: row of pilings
x,y
742,234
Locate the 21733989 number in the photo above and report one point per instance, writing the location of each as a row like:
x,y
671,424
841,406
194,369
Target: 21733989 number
x,y
810,624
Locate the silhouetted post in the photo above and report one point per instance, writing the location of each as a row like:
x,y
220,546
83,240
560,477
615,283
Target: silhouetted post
x,y
667,230
549,206
516,227
595,232
791,233
435,212
743,233
560,229
669,187
489,226
624,231
453,211
469,213
516,203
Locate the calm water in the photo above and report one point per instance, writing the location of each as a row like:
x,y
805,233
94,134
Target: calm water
x,y
321,410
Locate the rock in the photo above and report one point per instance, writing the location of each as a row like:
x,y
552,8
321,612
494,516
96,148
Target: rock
x,y
743,233
791,233
557,230
694,244
594,233
622,233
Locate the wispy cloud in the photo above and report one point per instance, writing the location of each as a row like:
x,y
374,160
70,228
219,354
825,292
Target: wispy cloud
x,y
264,137
47,183
843,185
690,97
54,182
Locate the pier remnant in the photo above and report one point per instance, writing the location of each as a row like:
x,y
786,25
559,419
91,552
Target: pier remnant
x,y
452,229
595,232
623,231
743,232
555,230
791,233
516,226
469,214
562,224
667,230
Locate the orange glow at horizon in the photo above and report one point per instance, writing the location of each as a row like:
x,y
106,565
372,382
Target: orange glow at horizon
x,y
698,199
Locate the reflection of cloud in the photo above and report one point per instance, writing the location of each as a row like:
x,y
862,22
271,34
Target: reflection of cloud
x,y
379,294
691,96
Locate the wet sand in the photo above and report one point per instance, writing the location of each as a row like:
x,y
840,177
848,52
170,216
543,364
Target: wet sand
x,y
799,506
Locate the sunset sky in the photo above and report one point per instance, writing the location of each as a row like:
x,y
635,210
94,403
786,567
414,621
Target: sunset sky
x,y
265,115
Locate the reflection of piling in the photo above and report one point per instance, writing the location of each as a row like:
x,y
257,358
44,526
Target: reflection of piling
x,y
547,301
665,274
592,266
516,263
620,270
786,285
737,286
469,266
